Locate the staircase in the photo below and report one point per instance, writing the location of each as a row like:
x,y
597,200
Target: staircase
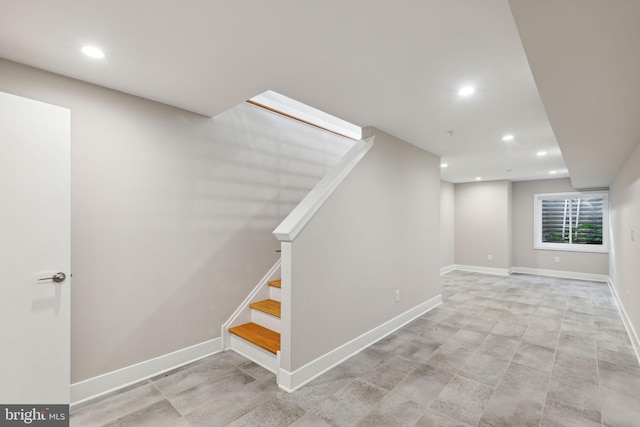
x,y
259,339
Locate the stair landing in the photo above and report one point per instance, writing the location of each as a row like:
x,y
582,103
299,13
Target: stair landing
x,y
258,335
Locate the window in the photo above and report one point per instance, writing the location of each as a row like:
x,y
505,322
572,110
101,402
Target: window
x,y
571,221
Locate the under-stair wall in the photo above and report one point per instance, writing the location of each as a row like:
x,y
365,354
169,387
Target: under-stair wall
x,y
172,216
365,263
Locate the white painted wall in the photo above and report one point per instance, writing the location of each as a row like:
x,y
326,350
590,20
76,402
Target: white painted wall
x,y
447,223
624,255
377,233
172,213
483,224
524,255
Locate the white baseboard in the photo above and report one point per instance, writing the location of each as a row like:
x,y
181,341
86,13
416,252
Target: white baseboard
x,y
445,270
97,386
526,270
633,336
478,269
562,274
291,381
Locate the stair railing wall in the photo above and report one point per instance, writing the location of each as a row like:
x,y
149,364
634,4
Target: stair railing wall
x,y
306,209
342,288
287,231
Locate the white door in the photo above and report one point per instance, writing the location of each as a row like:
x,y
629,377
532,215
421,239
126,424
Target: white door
x,y
34,244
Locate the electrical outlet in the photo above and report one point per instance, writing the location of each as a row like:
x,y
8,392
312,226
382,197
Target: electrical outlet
x,y
557,259
490,257
397,295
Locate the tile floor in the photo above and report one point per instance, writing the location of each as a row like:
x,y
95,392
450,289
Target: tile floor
x,y
500,351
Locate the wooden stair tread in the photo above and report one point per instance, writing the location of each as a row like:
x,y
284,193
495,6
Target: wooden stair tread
x,y
258,335
275,283
268,306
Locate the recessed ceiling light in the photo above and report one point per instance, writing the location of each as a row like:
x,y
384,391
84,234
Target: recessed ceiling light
x,y
93,52
478,178
507,137
444,165
466,91
542,153
553,172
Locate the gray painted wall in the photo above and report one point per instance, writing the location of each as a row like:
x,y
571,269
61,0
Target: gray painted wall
x,y
377,233
447,223
624,255
482,225
523,253
496,218
172,213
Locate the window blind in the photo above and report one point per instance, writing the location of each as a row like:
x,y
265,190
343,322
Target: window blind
x,y
573,221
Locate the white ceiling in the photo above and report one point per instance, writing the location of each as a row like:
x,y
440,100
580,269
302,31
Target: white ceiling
x,y
393,65
585,56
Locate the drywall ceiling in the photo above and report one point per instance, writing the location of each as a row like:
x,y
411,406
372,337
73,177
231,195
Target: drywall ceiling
x,y
393,65
585,57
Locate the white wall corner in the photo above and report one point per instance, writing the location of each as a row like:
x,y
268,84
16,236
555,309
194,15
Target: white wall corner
x,y
95,387
447,269
633,336
291,381
225,338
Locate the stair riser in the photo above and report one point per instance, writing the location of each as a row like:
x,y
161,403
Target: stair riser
x,y
274,294
266,320
252,352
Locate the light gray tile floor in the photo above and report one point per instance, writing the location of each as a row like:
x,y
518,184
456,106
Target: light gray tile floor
x,y
500,351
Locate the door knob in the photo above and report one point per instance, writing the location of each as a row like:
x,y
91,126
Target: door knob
x,y
57,278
